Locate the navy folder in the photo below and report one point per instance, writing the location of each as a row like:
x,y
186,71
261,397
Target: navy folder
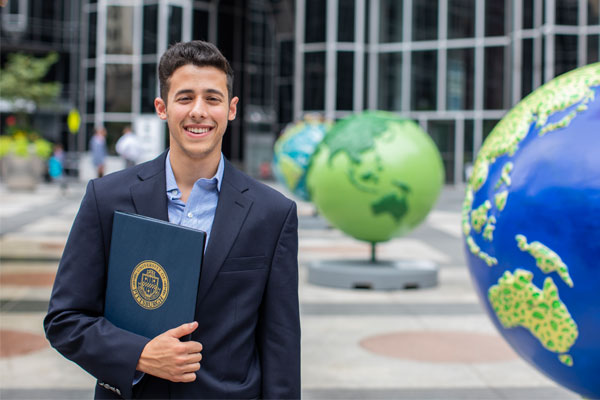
x,y
153,272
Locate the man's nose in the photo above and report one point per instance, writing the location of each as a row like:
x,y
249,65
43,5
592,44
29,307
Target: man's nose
x,y
198,111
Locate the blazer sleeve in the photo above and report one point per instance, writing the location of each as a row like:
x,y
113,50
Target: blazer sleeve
x,y
75,325
279,320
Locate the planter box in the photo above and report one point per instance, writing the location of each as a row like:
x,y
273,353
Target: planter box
x,y
21,173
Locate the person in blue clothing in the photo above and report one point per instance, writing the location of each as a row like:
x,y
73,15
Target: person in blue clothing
x,y
98,150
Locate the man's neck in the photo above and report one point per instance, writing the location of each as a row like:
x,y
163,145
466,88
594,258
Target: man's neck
x,y
187,172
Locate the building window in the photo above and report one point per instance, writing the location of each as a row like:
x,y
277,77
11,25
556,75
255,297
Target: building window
x,y
117,90
459,87
565,54
424,80
390,28
528,14
593,12
566,12
314,81
175,24
316,11
461,18
442,133
119,30
495,18
345,80
149,30
90,91
494,78
593,44
346,20
92,21
200,25
390,81
425,20
527,67
148,89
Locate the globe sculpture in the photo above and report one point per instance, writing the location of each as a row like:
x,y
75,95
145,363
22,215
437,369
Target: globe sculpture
x,y
531,224
293,151
375,176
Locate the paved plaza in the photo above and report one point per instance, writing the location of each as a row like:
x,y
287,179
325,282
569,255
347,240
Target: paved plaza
x,y
434,343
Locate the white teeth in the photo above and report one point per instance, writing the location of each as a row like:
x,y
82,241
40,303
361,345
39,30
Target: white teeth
x,y
198,130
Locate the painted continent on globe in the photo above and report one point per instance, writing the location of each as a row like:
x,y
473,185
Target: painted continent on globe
x,y
531,223
375,175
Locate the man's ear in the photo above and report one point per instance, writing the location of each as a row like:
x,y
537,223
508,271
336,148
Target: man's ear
x,y
161,108
233,108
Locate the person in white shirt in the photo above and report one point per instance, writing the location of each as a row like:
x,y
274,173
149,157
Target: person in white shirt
x,y
128,147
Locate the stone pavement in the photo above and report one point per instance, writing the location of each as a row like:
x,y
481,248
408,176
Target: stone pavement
x,y
432,343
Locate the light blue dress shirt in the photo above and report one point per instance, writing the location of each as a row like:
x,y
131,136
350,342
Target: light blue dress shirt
x,y
199,211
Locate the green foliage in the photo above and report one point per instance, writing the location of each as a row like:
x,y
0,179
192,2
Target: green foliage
x,y
21,79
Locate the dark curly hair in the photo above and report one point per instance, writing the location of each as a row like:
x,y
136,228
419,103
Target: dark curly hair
x,y
196,52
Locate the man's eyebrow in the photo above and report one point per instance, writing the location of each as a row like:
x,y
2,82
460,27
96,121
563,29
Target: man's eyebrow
x,y
214,91
184,91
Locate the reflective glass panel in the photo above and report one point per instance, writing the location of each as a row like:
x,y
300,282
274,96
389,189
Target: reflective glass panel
x,y
390,28
495,17
528,15
316,11
175,24
345,80
149,88
200,25
424,80
150,30
461,18
314,81
442,133
593,48
565,47
117,89
346,20
91,29
593,12
459,79
119,30
527,67
390,81
566,12
90,93
493,96
425,20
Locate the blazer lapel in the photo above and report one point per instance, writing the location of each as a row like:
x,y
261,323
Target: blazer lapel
x,y
230,215
149,195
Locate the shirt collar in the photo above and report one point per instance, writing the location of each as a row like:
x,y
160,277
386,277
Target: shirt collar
x,y
172,183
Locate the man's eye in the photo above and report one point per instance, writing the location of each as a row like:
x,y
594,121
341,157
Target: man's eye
x,y
184,99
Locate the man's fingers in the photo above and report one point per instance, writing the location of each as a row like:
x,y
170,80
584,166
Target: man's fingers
x,y
183,330
191,368
188,377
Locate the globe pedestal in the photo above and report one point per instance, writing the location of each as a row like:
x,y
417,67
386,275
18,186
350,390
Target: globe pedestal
x,y
381,275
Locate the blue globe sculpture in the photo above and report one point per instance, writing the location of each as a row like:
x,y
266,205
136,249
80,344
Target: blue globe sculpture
x,y
531,225
293,150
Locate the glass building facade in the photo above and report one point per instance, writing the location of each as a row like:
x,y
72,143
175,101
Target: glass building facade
x,y
454,66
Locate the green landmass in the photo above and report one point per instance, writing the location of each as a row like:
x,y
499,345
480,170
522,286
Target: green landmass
x,y
518,302
476,250
505,175
479,215
546,259
500,199
488,229
354,136
391,204
466,210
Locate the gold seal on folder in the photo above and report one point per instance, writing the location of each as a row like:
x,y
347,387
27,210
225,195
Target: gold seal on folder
x,y
149,285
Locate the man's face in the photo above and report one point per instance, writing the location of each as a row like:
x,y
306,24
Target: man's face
x,y
197,111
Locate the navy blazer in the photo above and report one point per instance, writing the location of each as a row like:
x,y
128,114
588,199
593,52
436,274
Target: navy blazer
x,y
247,307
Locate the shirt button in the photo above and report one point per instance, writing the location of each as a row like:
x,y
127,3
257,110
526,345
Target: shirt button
x,y
190,215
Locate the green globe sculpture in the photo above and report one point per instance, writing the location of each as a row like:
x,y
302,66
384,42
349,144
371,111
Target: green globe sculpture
x,y
375,176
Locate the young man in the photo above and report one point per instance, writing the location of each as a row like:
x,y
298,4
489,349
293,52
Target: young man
x,y
247,331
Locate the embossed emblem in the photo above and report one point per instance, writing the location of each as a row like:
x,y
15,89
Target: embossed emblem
x,y
149,285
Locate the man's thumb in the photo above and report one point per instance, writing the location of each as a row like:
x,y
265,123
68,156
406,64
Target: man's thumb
x,y
183,330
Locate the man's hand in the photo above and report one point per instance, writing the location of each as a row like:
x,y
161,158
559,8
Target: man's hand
x,y
167,357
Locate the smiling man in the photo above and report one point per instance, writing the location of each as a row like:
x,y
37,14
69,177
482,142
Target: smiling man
x,y
246,335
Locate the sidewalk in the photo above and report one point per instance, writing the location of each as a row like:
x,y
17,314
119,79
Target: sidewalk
x,y
432,343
